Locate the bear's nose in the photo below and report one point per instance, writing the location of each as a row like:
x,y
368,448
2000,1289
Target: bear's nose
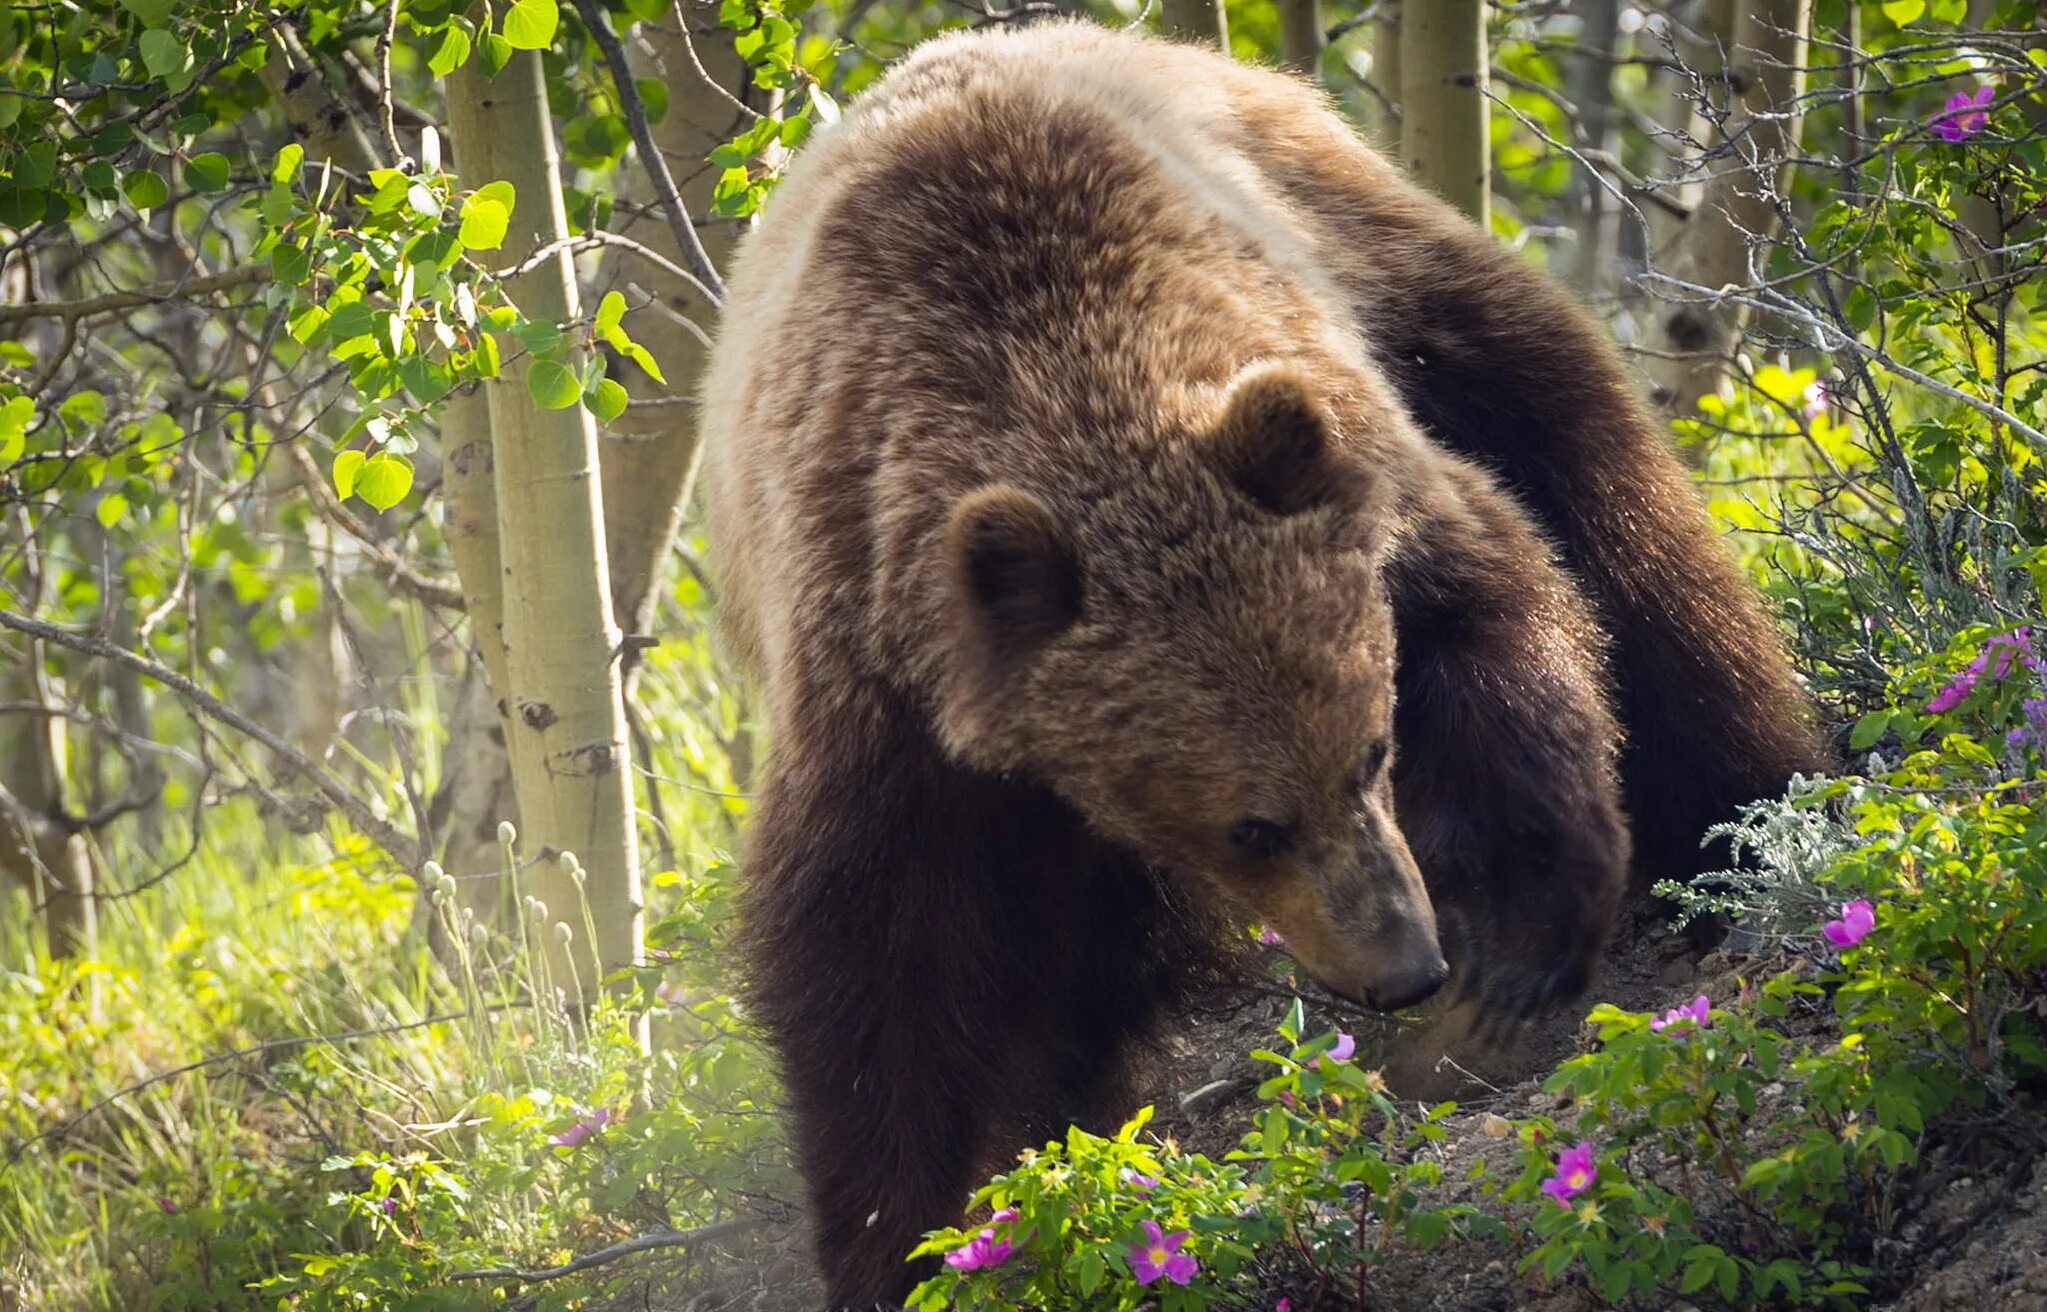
x,y
1409,987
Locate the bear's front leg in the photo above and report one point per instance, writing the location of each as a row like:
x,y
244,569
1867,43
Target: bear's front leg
x,y
870,945
1504,759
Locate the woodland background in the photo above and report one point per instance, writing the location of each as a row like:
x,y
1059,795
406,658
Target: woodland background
x,y
368,771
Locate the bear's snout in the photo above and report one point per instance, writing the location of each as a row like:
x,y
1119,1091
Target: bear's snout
x,y
1409,987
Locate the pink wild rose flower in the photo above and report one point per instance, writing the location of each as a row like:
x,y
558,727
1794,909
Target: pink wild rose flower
x,y
1964,115
1576,1171
1857,919
582,1129
1159,1255
1342,1050
1697,1012
984,1249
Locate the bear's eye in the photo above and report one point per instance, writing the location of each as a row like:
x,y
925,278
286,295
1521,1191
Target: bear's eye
x,y
1373,763
1261,838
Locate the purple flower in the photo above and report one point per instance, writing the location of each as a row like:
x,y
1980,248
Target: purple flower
x,y
582,1129
673,995
165,1205
1160,1255
2001,655
1964,115
390,1206
1575,1173
1341,1050
1269,936
1697,1013
1815,399
1284,1305
1139,1181
983,1250
1857,919
2034,729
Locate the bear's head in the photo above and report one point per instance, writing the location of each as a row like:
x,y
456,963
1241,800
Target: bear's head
x,y
1200,660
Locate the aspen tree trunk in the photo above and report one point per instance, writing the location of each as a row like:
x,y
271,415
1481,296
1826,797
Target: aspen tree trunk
x,y
1592,93
1202,20
1382,111
1737,213
566,716
647,468
1300,34
1443,103
38,850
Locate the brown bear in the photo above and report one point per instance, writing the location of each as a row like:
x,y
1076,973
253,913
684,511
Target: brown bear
x,y
1143,511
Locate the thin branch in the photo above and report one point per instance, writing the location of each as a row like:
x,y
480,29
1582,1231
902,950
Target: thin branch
x,y
651,157
386,116
108,302
689,47
402,847
642,1244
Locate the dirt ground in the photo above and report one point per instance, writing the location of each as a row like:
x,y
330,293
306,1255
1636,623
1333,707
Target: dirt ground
x,y
1972,1219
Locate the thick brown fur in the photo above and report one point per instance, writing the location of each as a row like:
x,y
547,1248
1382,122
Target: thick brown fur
x,y
1069,508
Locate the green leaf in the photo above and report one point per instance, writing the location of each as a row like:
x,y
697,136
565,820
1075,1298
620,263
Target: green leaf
x,y
452,52
530,24
1088,1271
540,337
384,480
153,13
285,167
653,98
1904,12
36,166
110,509
163,54
207,172
291,264
15,417
553,385
347,466
496,53
644,358
610,311
350,319
606,399
145,190
428,380
486,216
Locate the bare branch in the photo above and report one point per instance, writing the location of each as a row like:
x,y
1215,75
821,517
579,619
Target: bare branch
x,y
402,847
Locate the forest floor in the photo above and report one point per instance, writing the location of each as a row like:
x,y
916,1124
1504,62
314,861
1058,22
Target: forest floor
x,y
1970,1231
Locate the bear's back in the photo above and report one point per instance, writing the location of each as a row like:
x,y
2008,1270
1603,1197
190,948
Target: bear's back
x,y
1015,241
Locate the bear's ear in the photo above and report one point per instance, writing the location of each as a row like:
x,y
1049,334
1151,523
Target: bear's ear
x,y
1013,568
1274,445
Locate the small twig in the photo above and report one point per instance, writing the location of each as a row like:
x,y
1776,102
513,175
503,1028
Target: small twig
x,y
651,158
644,1243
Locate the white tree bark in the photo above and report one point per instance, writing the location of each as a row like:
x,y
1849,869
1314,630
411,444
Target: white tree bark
x,y
562,691
1443,104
